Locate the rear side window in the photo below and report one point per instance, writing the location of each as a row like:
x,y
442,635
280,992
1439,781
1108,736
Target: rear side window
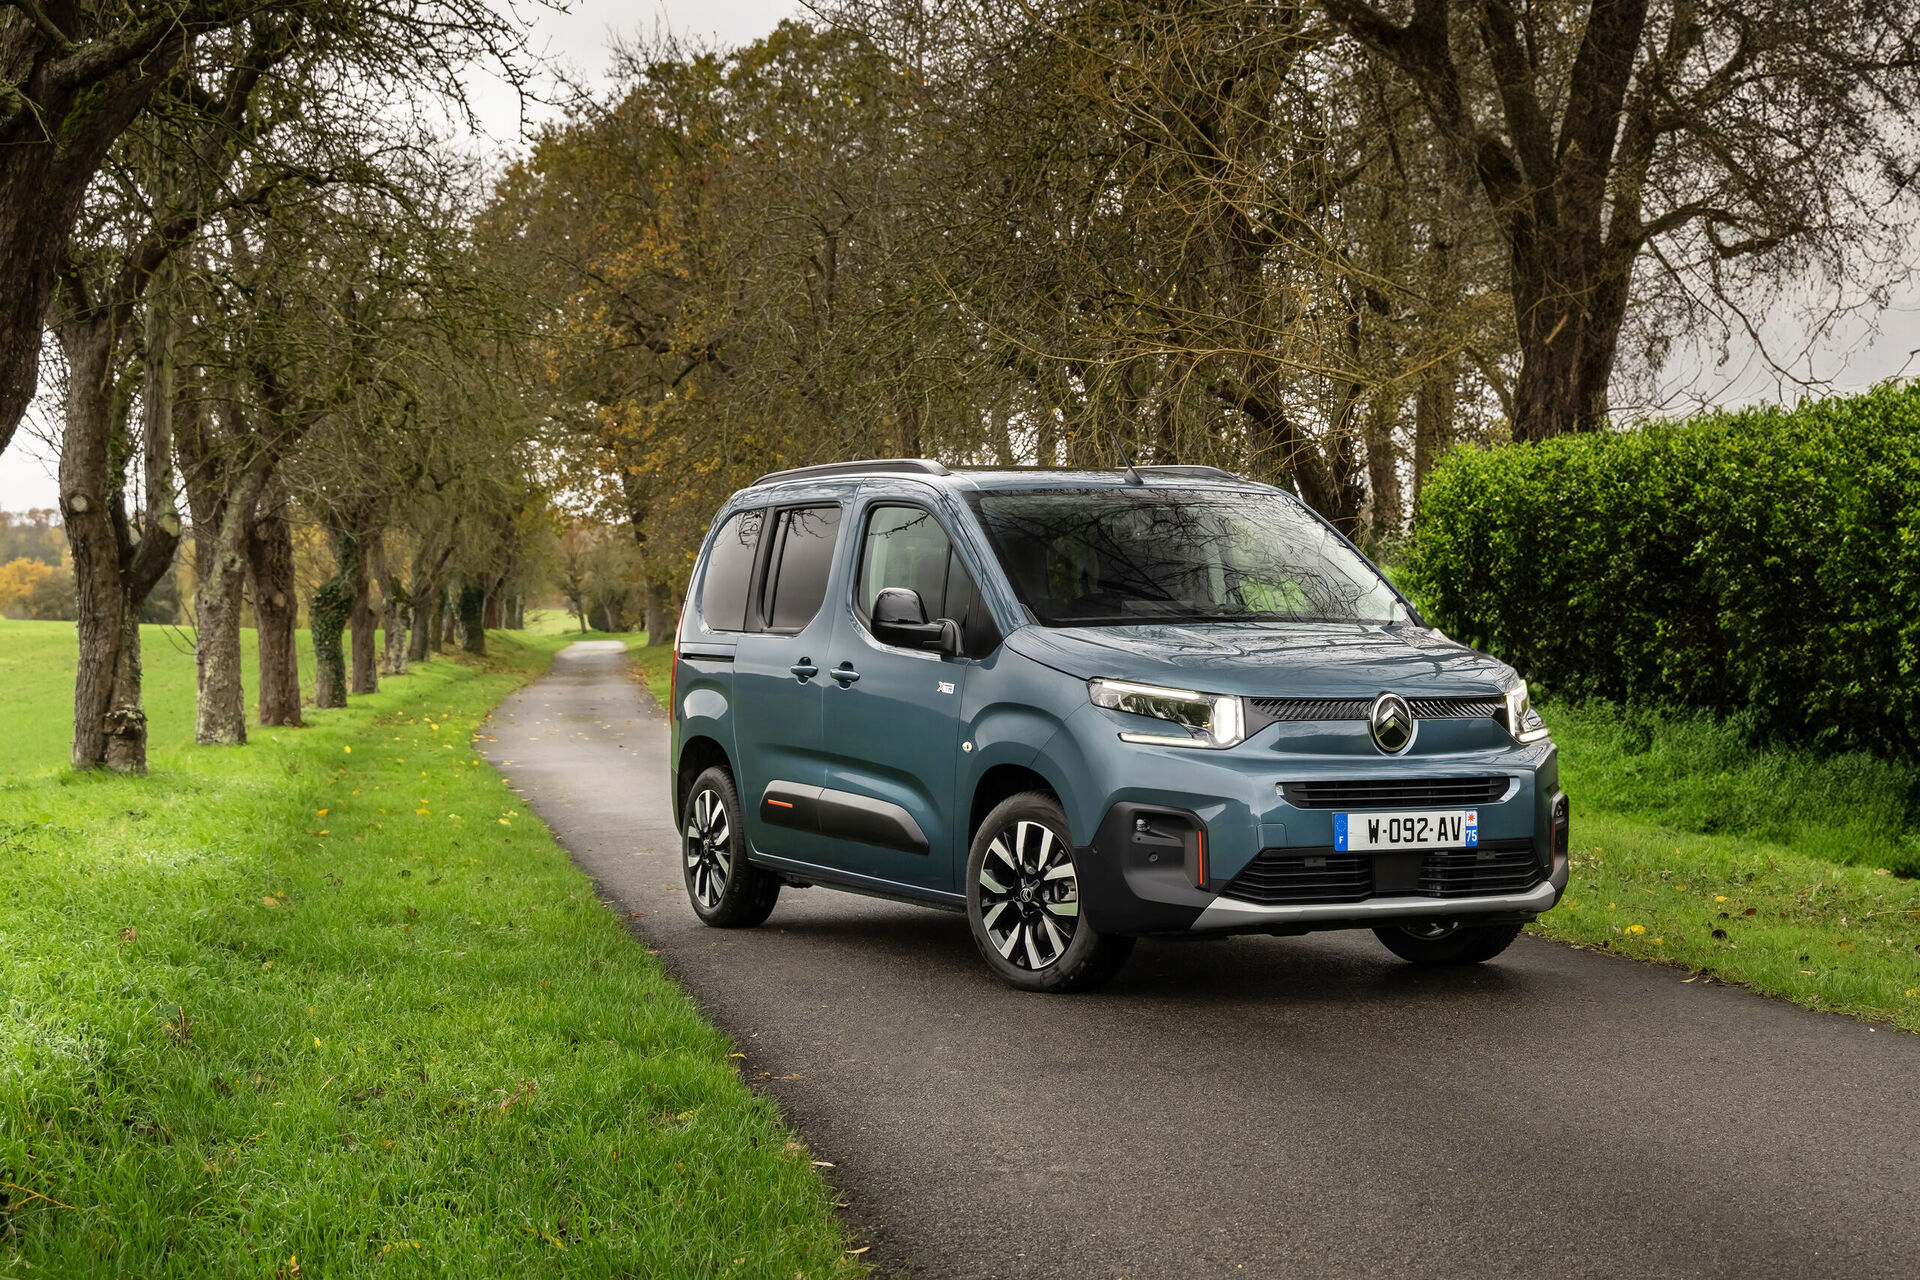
x,y
723,596
804,539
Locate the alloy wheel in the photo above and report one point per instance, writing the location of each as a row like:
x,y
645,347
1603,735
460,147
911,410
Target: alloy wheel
x,y
709,848
1029,895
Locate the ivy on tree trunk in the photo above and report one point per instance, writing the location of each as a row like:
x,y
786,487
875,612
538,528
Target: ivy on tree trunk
x,y
473,602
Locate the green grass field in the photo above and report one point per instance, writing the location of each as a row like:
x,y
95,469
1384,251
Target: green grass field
x,y
334,1004
1777,868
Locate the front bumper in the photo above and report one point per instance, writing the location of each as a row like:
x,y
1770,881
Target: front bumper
x,y
1231,915
1147,872
1172,829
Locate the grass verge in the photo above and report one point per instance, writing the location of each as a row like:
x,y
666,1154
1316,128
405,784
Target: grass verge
x,y
1771,868
334,1004
652,664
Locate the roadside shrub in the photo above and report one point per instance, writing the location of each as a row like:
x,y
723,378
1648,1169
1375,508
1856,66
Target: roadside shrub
x,y
1761,565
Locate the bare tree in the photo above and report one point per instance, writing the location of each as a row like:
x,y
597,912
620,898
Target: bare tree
x,y
75,74
1721,142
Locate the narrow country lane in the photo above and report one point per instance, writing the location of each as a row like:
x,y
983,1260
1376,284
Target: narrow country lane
x,y
1276,1107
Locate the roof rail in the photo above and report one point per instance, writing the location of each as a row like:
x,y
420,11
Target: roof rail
x,y
918,466
1191,469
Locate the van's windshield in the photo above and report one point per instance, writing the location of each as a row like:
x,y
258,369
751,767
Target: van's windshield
x,y
1115,557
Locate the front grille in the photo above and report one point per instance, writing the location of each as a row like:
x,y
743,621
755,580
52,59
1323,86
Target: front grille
x,y
1507,866
1276,710
1456,708
1303,877
1290,877
1383,793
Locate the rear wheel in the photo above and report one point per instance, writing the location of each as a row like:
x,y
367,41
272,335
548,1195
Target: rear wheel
x,y
1446,942
725,889
1023,901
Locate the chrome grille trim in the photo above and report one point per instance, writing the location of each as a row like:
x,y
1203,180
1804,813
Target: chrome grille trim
x,y
1293,710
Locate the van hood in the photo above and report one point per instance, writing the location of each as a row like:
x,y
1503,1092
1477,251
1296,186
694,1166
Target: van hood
x,y
1298,660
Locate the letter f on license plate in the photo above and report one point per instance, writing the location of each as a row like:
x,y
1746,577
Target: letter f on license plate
x,y
1417,829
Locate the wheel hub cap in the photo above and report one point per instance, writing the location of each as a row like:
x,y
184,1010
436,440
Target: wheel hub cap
x,y
1029,895
709,849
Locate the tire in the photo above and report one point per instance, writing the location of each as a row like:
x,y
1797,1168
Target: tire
x,y
1023,901
726,890
1447,942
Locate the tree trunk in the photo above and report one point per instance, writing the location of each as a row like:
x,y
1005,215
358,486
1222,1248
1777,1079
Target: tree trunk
x,y
423,610
220,718
1383,458
98,595
127,716
423,601
225,493
275,608
1433,404
437,621
659,614
113,573
393,657
362,618
472,622
327,616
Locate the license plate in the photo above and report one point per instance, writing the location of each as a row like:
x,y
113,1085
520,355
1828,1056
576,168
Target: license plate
x,y
1419,829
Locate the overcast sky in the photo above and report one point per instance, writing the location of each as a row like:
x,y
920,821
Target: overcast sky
x,y
1864,351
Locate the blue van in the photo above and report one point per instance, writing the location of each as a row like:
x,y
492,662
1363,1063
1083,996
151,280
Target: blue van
x,y
1089,706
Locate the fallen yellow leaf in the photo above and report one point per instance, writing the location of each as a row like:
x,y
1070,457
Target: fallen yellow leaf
x,y
1636,928
320,813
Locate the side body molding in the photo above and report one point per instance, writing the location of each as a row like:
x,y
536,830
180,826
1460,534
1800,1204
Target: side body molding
x,y
841,815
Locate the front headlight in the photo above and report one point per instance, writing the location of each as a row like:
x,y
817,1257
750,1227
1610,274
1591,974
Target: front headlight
x,y
1523,722
1209,719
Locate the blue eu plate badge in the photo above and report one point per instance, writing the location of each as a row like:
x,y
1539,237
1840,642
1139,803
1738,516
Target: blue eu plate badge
x,y
1473,828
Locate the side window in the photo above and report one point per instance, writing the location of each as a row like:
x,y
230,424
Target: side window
x,y
804,538
906,547
723,596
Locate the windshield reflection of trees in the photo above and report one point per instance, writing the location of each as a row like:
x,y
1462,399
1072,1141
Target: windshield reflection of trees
x,y
1081,559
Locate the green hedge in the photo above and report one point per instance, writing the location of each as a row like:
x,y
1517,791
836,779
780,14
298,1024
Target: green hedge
x,y
1762,564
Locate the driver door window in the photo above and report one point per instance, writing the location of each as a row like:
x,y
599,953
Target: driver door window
x,y
906,547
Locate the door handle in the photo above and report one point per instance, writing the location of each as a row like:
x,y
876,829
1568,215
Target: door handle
x,y
845,674
804,669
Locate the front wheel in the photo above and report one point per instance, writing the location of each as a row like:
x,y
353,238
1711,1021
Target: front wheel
x,y
1023,901
1447,942
725,889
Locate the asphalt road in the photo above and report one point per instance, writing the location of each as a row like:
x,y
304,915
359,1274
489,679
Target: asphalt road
x,y
1257,1106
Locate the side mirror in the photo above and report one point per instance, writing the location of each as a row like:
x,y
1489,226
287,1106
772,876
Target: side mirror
x,y
900,618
